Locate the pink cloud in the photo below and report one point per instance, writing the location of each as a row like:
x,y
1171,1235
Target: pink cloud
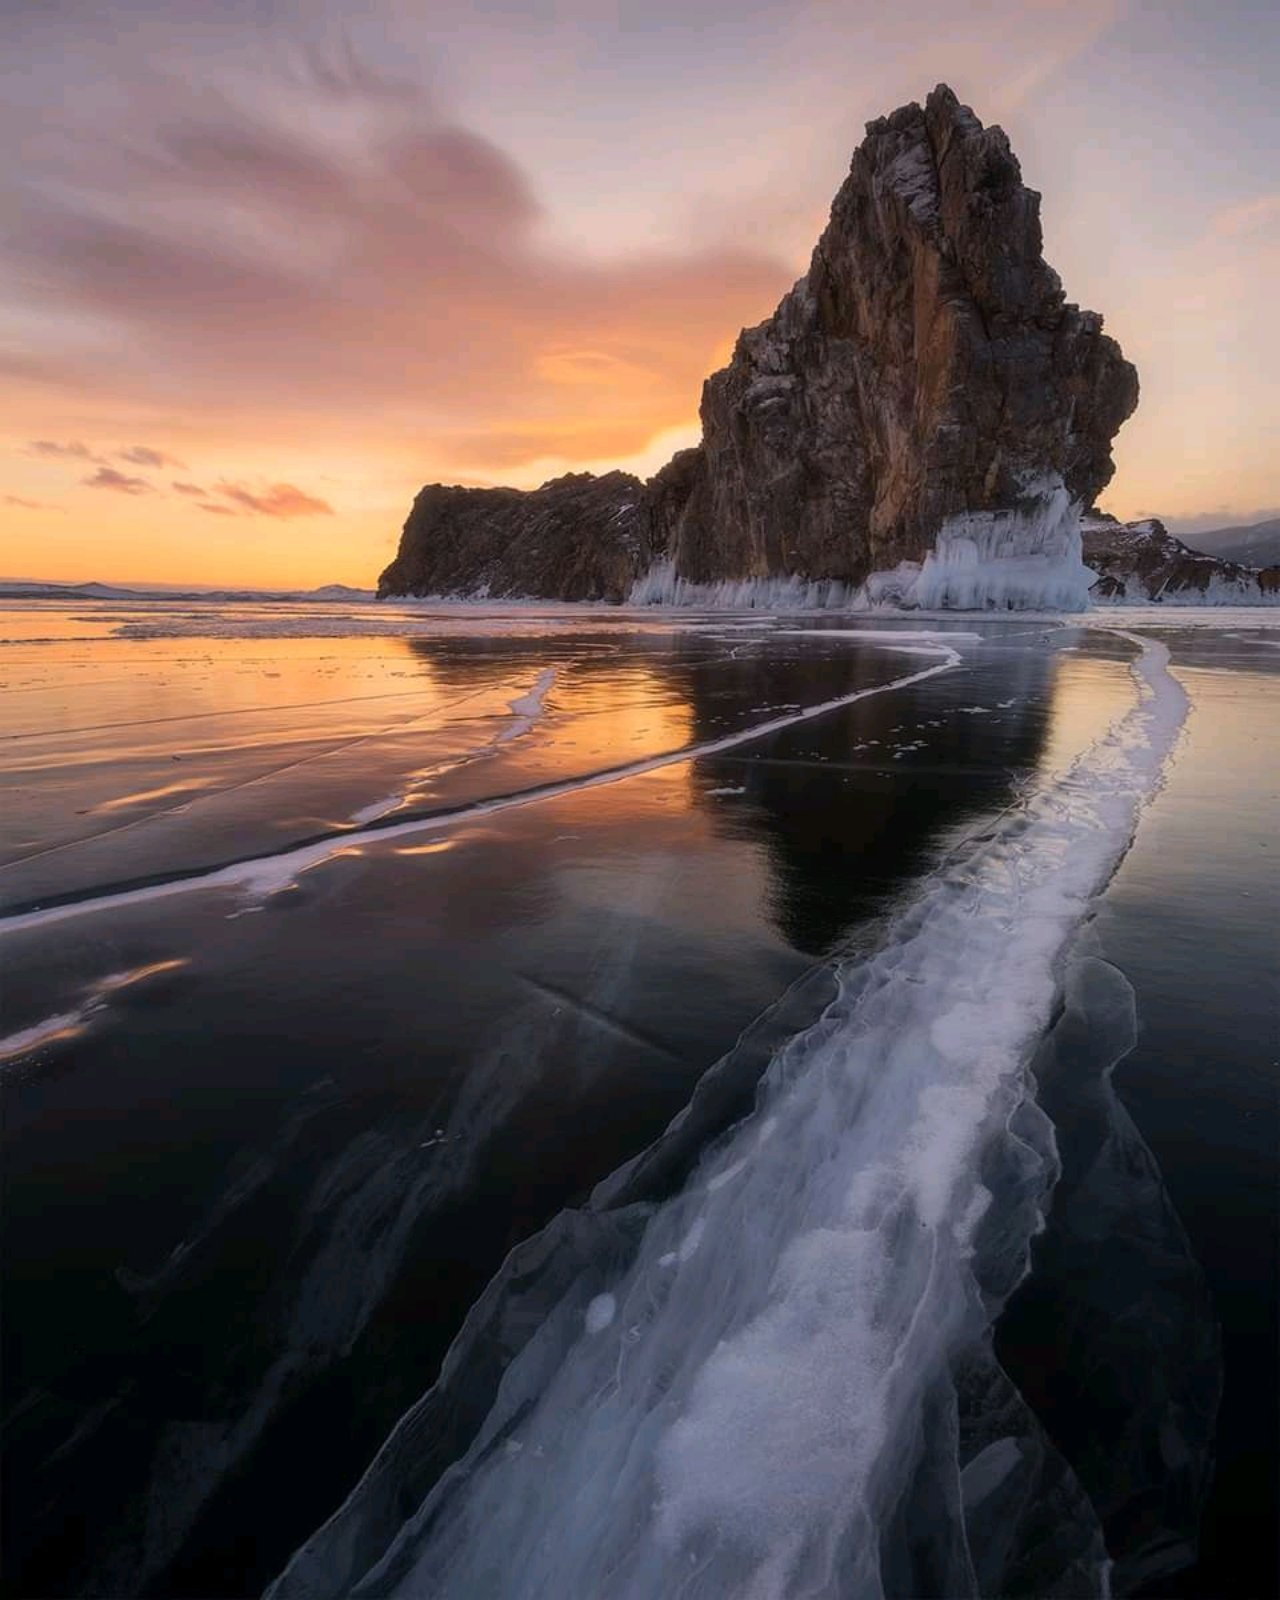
x,y
392,278
29,505
52,450
283,500
142,455
109,478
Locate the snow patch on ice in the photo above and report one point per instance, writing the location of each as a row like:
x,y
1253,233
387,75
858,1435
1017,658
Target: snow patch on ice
x,y
600,1313
63,1026
69,1024
529,707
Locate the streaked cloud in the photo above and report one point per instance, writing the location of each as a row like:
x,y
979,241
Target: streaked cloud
x,y
22,503
392,265
53,450
284,500
142,455
192,489
109,478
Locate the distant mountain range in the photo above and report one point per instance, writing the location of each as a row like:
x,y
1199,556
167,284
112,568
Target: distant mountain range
x,y
1257,544
19,589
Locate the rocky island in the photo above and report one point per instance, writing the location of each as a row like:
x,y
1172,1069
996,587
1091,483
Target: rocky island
x,y
920,422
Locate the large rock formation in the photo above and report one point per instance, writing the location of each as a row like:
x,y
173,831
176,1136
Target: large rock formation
x,y
577,538
924,394
1142,562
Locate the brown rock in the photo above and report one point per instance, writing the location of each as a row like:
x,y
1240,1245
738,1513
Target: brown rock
x,y
926,366
1143,562
576,538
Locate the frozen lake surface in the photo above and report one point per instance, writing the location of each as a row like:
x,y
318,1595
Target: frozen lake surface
x,y
691,1025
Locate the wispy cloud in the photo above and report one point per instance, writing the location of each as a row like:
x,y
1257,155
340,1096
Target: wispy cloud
x,y
143,455
109,478
283,500
54,450
215,510
29,505
192,489
278,262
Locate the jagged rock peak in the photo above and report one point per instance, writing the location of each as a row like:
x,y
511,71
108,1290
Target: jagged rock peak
x,y
924,394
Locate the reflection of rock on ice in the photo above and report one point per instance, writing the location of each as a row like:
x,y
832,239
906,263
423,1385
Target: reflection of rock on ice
x,y
762,1365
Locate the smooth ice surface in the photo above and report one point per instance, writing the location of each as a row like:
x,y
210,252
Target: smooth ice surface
x,y
428,1045
758,1406
260,877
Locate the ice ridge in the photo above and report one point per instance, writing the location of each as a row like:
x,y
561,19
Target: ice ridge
x,y
789,1343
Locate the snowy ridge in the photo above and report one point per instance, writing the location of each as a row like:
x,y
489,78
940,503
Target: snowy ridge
x,y
748,1405
1219,591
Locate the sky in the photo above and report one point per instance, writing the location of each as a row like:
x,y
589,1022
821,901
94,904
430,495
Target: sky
x,y
268,266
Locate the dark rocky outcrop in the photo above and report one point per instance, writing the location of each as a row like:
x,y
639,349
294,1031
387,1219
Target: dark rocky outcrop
x,y
576,538
927,367
1143,562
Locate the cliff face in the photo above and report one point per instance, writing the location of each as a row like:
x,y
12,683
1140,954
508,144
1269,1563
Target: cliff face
x,y
1142,562
576,538
926,376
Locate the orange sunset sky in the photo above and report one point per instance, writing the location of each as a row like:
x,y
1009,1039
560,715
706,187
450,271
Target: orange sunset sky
x,y
267,266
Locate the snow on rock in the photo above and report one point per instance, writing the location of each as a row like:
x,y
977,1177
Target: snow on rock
x,y
1143,563
1027,558
661,586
